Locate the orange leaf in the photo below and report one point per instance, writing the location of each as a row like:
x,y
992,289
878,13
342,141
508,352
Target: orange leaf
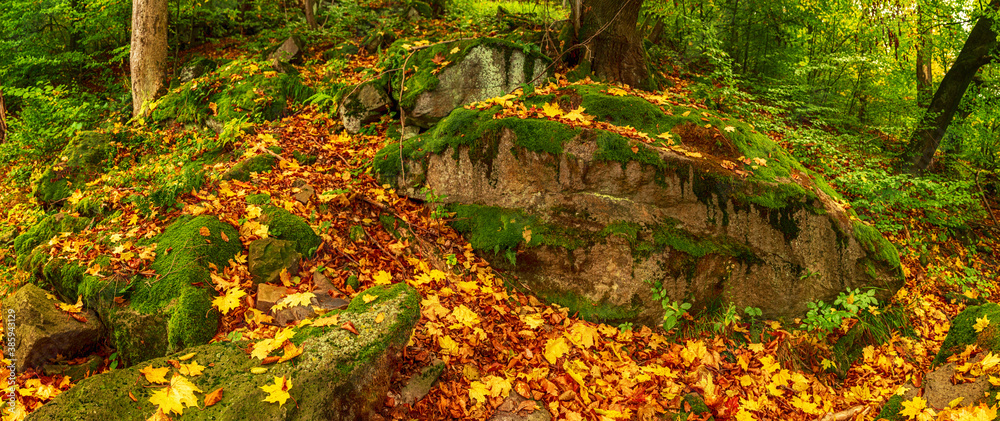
x,y
348,326
204,231
213,398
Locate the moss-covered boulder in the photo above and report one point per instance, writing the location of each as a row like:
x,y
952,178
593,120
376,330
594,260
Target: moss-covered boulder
x,y
443,77
40,233
256,163
240,89
83,159
963,332
172,310
339,376
284,225
691,204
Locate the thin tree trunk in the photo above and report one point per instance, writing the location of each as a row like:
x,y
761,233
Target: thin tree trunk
x,y
148,58
3,119
925,77
976,53
310,18
612,41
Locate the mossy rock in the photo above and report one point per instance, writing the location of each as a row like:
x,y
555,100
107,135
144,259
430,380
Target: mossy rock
x,y
240,89
703,208
284,225
267,258
339,376
698,409
963,332
890,411
478,69
83,159
172,310
40,233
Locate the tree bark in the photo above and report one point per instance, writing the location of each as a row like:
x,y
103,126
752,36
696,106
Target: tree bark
x,y
310,18
148,57
613,47
976,52
925,77
3,119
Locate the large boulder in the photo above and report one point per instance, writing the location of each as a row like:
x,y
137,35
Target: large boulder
x,y
42,331
339,376
289,52
83,159
446,76
599,222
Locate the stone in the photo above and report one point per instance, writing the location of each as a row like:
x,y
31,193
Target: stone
x,y
268,295
322,283
421,383
289,52
939,390
339,376
81,160
42,331
365,103
594,221
305,192
518,408
285,225
196,68
268,257
77,370
483,68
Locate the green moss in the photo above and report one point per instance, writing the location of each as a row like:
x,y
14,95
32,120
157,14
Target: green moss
x,y
259,199
890,411
283,225
304,159
878,248
43,231
240,89
83,159
668,235
597,312
256,163
493,228
963,333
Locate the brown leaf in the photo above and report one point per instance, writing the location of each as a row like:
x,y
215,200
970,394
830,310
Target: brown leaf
x,y
348,326
78,317
132,397
213,398
438,58
204,231
270,360
224,236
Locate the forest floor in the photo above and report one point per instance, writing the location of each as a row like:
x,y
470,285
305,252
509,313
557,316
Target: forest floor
x,y
495,340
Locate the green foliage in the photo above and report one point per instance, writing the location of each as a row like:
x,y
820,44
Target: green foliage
x,y
49,118
932,198
672,310
825,318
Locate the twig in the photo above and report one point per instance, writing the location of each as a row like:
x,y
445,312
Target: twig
x,y
845,414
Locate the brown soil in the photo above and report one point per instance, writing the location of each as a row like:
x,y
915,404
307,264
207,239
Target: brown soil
x,y
706,140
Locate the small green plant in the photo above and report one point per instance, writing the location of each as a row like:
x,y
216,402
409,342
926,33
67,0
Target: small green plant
x,y
451,259
625,327
753,312
436,201
824,318
672,309
114,361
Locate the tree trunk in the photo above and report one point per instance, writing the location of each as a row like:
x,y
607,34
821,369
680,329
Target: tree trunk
x,y
925,77
613,46
3,119
976,53
148,57
310,18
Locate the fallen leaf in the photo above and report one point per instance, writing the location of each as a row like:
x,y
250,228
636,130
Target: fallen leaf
x,y
204,231
186,357
278,392
382,278
176,396
228,301
368,298
348,326
213,397
192,369
155,375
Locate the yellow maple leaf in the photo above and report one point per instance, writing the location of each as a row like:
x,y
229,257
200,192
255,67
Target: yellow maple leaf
x,y
294,300
744,415
583,335
380,318
465,316
368,298
155,375
989,361
278,392
228,301
290,351
617,92
192,369
730,129
382,278
454,50
448,345
478,391
72,308
533,320
176,396
333,320
552,110
913,407
555,348
577,115
981,323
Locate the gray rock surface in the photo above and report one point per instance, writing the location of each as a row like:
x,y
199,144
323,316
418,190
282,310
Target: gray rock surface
x,y
42,331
